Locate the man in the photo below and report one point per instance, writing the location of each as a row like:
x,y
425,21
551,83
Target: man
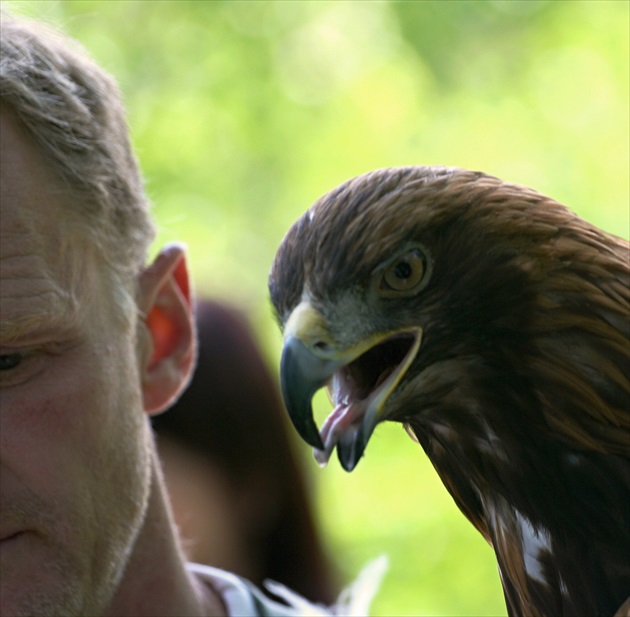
x,y
91,342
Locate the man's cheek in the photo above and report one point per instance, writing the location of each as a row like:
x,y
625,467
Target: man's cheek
x,y
46,431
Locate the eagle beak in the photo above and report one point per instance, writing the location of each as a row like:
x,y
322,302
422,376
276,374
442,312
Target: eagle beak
x,y
305,367
302,374
359,379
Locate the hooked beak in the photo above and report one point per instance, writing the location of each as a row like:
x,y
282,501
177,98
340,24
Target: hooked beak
x,y
302,373
359,378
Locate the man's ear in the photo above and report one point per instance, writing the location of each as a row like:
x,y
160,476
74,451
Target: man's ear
x,y
167,353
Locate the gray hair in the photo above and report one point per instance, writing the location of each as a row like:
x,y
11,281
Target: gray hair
x,y
74,112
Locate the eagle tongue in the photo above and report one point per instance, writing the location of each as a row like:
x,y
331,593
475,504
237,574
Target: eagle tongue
x,y
339,428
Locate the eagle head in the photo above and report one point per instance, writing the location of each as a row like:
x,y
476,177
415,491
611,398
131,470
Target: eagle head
x,y
408,291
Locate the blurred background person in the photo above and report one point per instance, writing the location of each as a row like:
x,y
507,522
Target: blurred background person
x,y
239,495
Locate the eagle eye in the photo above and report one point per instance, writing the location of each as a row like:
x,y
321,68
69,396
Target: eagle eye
x,y
402,276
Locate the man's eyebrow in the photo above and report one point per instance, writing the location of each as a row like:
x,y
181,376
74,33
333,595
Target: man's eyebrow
x,y
37,325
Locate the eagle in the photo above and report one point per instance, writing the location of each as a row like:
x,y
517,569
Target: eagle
x,y
494,324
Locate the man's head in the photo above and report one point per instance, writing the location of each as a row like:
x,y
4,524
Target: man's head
x,y
73,111
91,340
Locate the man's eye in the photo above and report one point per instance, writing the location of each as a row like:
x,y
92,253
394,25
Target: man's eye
x,y
17,367
10,361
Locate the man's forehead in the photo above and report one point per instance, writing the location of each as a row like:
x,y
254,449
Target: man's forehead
x,y
31,297
40,262
30,190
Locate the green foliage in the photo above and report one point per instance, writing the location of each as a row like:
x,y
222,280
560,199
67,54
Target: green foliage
x,y
243,113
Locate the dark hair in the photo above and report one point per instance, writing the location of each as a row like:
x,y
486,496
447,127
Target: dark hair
x,y
232,415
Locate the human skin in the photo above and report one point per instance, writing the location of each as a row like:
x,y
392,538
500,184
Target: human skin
x,y
84,525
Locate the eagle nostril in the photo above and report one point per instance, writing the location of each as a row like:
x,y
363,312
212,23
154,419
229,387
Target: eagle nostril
x,y
321,346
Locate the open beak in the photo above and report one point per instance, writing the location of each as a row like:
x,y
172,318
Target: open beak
x,y
359,380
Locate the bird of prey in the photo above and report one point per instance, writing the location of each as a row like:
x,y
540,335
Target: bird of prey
x,y
494,324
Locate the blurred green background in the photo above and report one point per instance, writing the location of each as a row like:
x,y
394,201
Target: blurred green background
x,y
243,113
